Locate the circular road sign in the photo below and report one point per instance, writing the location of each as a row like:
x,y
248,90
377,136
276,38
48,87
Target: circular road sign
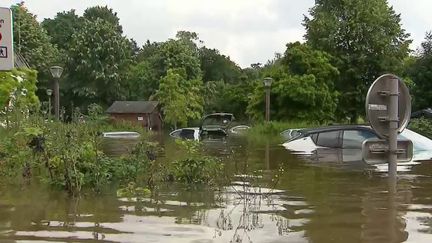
x,y
377,102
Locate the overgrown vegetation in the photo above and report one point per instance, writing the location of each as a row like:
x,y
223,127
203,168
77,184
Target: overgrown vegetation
x,y
70,156
273,128
194,168
422,126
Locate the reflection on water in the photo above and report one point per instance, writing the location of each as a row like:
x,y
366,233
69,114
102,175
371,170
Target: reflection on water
x,y
273,197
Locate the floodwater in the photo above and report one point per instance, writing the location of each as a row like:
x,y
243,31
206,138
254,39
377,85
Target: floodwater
x,y
274,196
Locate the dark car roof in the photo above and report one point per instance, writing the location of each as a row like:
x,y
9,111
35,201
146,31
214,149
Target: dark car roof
x,y
308,131
219,114
228,116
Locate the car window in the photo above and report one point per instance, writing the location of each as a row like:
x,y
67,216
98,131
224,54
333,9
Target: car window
x,y
355,138
328,139
187,133
314,137
176,133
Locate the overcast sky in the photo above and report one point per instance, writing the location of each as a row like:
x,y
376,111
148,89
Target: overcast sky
x,y
249,31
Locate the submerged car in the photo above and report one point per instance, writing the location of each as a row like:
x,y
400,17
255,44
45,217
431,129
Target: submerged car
x,y
215,126
189,133
119,143
344,143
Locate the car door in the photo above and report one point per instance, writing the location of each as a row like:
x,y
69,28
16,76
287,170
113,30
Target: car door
x,y
329,146
352,140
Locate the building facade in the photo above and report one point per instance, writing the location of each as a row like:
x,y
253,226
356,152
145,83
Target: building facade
x,y
144,113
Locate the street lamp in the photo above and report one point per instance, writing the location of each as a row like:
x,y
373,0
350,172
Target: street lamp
x,y
267,84
49,93
56,72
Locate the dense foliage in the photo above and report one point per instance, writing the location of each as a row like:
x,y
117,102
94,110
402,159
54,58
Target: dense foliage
x,y
98,55
18,91
33,42
420,71
73,157
302,87
365,38
422,126
348,44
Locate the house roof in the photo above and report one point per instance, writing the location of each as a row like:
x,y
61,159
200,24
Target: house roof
x,y
20,61
132,107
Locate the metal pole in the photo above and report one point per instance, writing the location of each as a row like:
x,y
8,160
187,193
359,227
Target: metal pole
x,y
57,99
267,155
267,104
49,108
393,127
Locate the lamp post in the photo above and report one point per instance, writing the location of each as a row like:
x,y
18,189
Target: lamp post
x,y
49,93
267,84
56,72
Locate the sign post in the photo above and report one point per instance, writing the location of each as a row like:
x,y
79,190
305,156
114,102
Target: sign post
x,y
388,109
393,119
6,40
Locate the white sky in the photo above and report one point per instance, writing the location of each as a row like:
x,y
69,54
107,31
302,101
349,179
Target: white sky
x,y
249,31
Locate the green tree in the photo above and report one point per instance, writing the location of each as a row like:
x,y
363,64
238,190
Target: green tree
x,y
181,99
225,97
295,97
301,59
33,43
62,27
141,82
103,12
420,70
215,66
178,54
367,40
302,87
98,56
155,59
148,51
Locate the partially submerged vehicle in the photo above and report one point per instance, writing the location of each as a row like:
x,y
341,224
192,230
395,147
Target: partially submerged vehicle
x,y
239,130
215,126
290,133
189,133
119,143
121,135
344,143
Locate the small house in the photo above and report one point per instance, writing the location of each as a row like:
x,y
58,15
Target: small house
x,y
144,113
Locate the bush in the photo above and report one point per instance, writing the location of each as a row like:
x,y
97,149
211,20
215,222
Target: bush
x,y
196,168
422,126
70,156
67,155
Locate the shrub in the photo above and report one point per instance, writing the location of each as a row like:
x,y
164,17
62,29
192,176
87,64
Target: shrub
x,y
422,126
196,168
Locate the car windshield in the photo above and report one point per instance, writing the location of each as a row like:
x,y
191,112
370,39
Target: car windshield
x,y
420,142
217,120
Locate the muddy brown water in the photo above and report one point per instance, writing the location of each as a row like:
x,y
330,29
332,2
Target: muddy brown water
x,y
308,201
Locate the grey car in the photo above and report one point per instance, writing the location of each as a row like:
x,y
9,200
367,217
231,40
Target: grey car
x,y
344,143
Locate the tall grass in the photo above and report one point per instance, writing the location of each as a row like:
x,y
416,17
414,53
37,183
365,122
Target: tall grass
x,y
276,127
269,132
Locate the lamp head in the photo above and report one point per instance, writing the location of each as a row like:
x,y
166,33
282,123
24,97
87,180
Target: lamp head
x,y
56,71
268,81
